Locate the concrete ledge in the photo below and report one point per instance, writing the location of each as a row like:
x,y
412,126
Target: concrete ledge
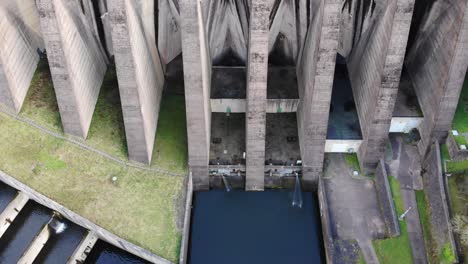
x,y
325,218
385,197
74,217
11,211
342,145
186,232
404,124
83,249
437,200
36,246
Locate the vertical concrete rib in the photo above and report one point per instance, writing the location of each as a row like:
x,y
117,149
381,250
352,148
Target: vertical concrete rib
x,y
257,73
139,73
375,66
315,73
197,79
437,63
19,40
76,62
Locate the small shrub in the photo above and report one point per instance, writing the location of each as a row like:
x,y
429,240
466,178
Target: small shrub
x,y
446,255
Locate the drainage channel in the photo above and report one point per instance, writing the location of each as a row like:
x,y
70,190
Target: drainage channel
x,y
32,233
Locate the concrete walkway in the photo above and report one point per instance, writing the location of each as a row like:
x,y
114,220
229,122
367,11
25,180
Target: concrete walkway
x,y
354,209
408,173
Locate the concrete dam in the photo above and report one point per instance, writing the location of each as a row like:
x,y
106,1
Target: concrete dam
x,y
270,86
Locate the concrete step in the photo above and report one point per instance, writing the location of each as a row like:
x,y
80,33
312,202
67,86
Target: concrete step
x,y
11,211
83,249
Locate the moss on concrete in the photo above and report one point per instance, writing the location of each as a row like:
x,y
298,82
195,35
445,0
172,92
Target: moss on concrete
x,y
424,217
353,161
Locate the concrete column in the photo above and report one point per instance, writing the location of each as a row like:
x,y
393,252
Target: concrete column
x,y
437,62
375,66
76,62
139,73
257,73
315,73
197,79
19,40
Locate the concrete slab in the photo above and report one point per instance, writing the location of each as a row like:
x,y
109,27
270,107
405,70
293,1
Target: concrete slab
x,y
82,251
11,211
36,246
227,145
282,139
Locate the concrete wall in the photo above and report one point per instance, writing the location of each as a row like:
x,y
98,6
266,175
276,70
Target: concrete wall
x,y
76,62
326,225
139,72
454,150
257,71
20,38
169,39
375,65
187,217
385,197
434,189
437,61
239,105
315,71
197,78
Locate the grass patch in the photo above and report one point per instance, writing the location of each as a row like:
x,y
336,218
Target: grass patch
x,y
446,254
353,161
140,207
460,120
461,140
397,249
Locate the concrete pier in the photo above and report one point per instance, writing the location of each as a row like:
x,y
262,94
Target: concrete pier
x,y
437,61
139,73
375,65
36,246
197,78
83,249
11,211
20,38
315,71
257,69
77,63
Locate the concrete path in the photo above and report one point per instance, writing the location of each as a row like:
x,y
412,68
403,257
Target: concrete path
x,y
408,172
354,209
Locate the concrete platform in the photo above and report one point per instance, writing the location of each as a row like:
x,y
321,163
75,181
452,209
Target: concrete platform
x,y
282,139
282,82
227,143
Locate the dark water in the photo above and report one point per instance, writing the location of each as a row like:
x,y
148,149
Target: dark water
x,y
254,227
7,194
104,253
61,246
24,229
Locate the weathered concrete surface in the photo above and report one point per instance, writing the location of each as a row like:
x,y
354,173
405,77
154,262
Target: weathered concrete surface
x,y
227,28
20,38
169,38
315,73
455,153
197,78
83,249
186,229
434,188
375,65
257,70
139,73
283,37
437,60
325,219
11,211
385,197
76,61
354,208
